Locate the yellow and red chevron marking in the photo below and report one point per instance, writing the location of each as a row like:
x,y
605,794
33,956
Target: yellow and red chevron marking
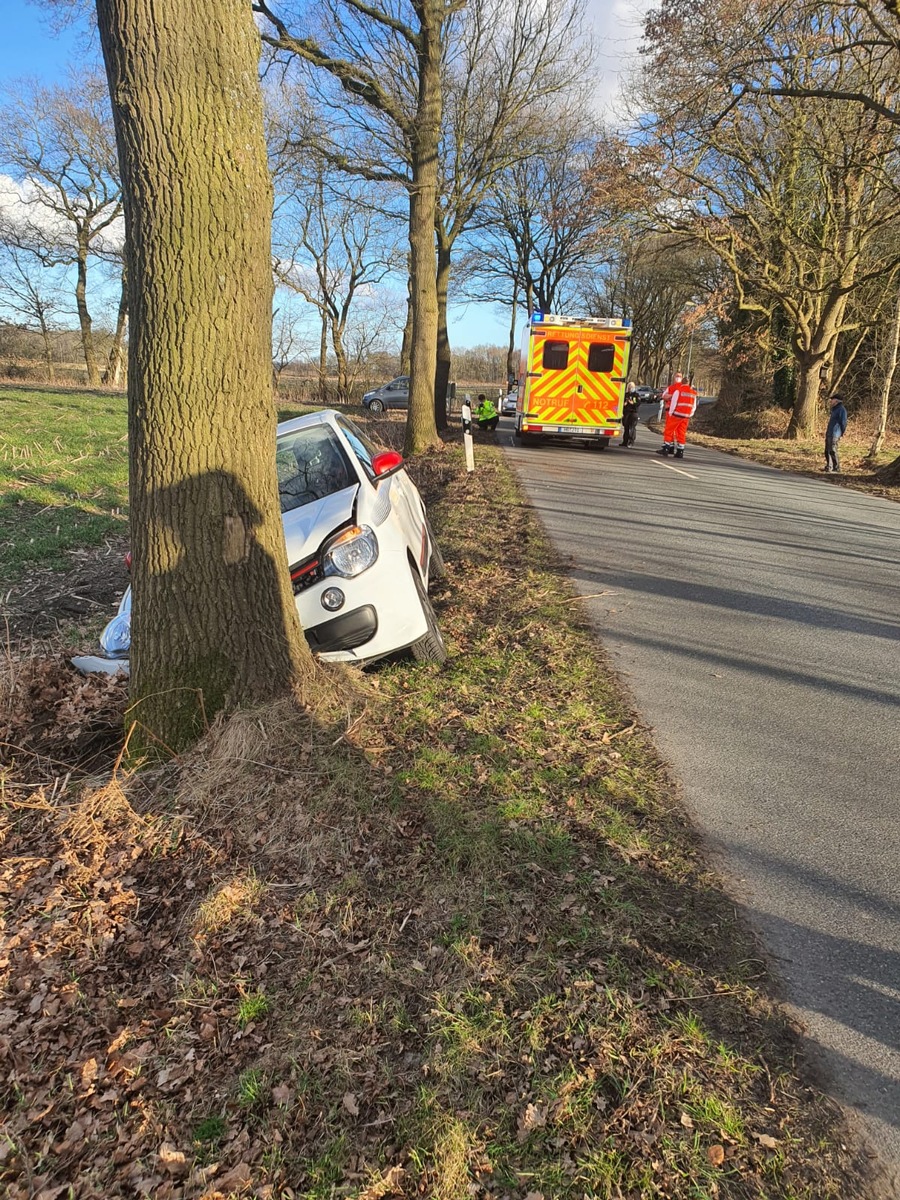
x,y
555,394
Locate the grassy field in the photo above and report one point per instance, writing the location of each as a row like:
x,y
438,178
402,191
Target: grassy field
x,y
63,476
450,936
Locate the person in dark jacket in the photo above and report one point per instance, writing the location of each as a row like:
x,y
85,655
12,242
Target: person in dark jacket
x,y
837,425
630,415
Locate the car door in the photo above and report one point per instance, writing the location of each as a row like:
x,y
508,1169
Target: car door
x,y
397,393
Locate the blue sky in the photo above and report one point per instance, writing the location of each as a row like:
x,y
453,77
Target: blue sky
x,y
30,47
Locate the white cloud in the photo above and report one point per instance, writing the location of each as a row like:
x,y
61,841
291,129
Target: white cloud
x,y
24,207
618,27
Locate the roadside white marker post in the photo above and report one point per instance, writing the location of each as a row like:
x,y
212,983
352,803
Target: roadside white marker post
x,y
467,434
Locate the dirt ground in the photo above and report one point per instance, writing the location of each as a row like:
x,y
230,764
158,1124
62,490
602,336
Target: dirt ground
x,y
45,602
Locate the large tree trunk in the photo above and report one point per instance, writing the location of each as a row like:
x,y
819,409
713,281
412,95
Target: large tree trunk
x,y
511,372
814,360
323,359
214,618
803,416
84,317
113,373
340,354
48,347
421,431
887,383
444,357
406,344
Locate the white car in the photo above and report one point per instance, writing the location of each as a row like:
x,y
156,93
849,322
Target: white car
x,y
508,403
359,545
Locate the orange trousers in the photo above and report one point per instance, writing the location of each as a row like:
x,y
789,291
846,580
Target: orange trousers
x,y
676,431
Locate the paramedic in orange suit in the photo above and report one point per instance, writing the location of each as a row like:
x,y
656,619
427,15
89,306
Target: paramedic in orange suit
x,y
680,402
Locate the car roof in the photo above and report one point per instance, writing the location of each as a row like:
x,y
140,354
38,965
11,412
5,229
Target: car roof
x,y
322,416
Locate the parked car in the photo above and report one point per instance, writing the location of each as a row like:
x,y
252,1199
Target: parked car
x,y
390,395
508,403
359,545
646,392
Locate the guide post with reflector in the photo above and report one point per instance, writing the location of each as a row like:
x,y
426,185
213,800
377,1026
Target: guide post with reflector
x,y
467,434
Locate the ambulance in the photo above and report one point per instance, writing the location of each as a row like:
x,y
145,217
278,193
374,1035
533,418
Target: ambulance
x,y
572,377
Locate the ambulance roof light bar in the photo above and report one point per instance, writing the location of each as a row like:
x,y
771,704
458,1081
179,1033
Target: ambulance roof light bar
x,y
540,318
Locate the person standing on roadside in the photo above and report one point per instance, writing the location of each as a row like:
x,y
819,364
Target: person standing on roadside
x,y
680,401
837,427
629,416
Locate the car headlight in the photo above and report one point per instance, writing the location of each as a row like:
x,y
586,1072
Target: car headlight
x,y
353,551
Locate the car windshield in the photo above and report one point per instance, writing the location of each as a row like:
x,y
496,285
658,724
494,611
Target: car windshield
x,y
311,464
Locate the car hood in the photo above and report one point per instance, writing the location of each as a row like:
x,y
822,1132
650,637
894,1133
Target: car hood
x,y
307,527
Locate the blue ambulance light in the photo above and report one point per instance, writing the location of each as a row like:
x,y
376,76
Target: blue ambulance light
x,y
536,317
626,322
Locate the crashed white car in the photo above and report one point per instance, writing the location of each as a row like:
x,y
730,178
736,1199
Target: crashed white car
x,y
360,548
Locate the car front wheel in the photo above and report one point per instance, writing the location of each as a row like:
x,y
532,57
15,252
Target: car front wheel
x,y
430,646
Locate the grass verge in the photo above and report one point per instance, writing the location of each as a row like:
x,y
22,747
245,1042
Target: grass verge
x,y
803,456
449,936
63,475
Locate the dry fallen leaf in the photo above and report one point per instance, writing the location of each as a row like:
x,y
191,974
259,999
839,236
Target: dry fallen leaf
x,y
281,1094
237,1179
350,1104
389,1185
766,1140
686,1121
534,1117
172,1159
716,1155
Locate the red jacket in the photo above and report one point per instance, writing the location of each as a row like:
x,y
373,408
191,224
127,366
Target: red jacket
x,y
680,400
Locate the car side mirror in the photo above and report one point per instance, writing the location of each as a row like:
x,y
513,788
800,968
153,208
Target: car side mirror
x,y
387,462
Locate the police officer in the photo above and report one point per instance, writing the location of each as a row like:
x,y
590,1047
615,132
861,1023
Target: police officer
x,y
486,413
630,416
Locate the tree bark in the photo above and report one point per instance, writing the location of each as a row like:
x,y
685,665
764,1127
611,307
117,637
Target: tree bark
x,y
48,347
813,361
323,358
444,359
113,373
421,430
214,618
511,372
340,355
891,473
886,384
84,317
406,344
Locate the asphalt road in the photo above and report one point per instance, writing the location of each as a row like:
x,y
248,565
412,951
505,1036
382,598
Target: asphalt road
x,y
755,616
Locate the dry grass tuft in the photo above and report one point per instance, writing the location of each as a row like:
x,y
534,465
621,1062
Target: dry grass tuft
x,y
228,903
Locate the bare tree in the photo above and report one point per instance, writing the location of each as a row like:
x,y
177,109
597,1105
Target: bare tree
x,y
367,49
333,243
791,192
60,142
887,380
31,292
539,237
656,281
288,335
508,67
214,619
